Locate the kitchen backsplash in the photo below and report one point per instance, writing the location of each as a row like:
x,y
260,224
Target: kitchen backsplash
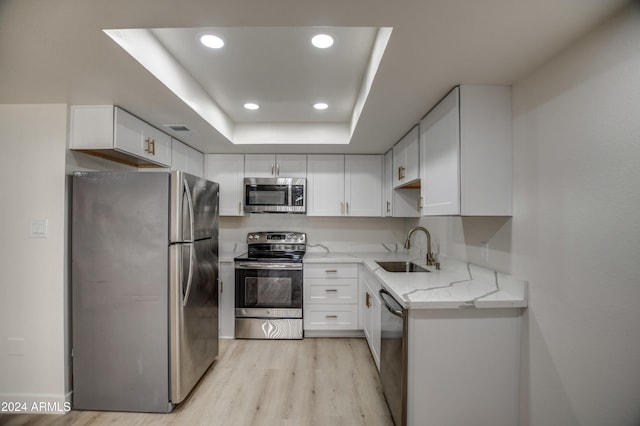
x,y
338,234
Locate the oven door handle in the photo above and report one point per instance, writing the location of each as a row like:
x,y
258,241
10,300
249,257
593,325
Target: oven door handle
x,y
271,266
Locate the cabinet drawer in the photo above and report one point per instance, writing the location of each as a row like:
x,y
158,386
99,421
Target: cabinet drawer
x,y
342,291
331,270
331,317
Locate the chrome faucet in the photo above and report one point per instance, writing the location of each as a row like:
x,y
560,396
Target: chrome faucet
x,y
407,243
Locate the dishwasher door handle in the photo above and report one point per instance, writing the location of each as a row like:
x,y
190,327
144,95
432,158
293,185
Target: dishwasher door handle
x,y
390,303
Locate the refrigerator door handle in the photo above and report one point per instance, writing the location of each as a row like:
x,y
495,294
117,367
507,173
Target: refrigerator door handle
x,y
189,277
187,192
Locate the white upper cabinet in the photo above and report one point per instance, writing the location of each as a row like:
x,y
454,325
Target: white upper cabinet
x,y
406,160
270,165
363,185
339,185
400,202
186,159
325,185
466,153
228,171
110,132
387,184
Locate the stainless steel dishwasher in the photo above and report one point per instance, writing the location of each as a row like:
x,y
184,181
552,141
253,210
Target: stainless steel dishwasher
x,y
393,357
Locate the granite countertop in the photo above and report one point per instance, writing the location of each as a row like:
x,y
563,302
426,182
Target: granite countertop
x,y
456,285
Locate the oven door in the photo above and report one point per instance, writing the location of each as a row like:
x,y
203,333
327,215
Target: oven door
x,y
269,290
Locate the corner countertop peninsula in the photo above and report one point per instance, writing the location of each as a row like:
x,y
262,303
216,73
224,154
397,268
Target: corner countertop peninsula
x,y
457,285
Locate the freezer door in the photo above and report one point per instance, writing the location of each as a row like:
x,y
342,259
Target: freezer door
x,y
194,208
194,313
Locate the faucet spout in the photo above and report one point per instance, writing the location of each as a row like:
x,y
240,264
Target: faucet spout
x,y
407,244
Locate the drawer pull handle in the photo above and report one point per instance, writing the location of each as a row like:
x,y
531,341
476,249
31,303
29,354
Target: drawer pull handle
x,y
331,271
331,316
331,289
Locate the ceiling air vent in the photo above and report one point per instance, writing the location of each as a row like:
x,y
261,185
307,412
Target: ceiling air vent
x,y
177,127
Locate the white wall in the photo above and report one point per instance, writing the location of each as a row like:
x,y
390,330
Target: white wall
x,y
575,231
35,333
340,232
32,303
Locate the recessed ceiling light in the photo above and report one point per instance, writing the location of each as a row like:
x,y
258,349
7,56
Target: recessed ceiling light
x,y
251,105
322,41
212,41
320,105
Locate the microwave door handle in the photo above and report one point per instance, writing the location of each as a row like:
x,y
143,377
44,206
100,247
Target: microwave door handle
x,y
187,192
187,290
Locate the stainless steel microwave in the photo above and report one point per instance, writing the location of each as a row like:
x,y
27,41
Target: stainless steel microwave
x,y
274,195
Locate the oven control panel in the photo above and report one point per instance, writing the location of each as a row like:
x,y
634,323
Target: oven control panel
x,y
277,237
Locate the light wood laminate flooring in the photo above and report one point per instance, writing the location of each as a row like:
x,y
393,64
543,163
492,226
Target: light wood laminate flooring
x,y
315,381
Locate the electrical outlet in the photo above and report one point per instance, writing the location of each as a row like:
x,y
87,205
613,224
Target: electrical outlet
x,y
484,251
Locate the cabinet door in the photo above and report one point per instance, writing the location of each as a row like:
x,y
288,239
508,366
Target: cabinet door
x,y
128,133
156,145
226,309
92,127
399,159
371,307
186,159
291,165
325,185
406,159
228,171
401,202
485,151
363,185
260,165
270,165
375,327
412,154
440,149
387,185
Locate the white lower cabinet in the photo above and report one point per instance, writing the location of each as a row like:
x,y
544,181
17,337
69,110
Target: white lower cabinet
x,y
330,317
370,308
331,296
226,300
463,366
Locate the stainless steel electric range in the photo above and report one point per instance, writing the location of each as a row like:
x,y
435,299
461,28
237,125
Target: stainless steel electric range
x,y
269,286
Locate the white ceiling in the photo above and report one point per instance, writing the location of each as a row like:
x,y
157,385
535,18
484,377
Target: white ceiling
x,y
286,74
57,52
276,68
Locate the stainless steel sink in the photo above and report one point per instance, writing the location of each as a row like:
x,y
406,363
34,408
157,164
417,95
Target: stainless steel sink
x,y
401,267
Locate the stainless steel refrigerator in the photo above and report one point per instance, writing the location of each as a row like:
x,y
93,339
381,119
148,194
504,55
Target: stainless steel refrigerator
x,y
144,250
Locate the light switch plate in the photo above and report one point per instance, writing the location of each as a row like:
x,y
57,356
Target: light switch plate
x,y
38,228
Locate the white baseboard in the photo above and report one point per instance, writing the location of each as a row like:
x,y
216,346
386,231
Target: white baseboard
x,y
333,333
